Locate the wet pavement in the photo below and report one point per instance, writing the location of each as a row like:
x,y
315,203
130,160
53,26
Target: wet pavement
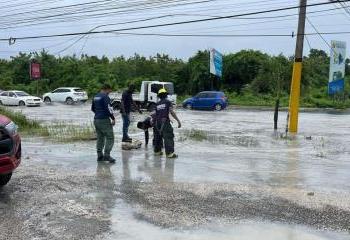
x,y
237,180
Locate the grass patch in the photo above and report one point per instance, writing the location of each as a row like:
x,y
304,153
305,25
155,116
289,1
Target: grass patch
x,y
69,133
58,132
21,120
196,135
25,125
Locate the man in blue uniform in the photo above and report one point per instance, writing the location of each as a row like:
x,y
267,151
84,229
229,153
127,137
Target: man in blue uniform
x,y
163,131
126,107
104,121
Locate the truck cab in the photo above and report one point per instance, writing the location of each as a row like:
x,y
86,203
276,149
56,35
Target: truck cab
x,y
147,98
150,89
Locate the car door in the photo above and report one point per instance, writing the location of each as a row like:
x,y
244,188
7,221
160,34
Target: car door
x,y
210,100
55,95
198,101
4,98
12,99
65,94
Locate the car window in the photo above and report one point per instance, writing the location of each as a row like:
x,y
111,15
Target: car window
x,y
65,90
11,94
202,95
56,91
211,95
78,90
22,94
4,94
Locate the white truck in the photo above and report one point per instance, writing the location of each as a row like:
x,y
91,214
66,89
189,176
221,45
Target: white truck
x,y
147,98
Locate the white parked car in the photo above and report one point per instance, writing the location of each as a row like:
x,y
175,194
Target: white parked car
x,y
68,95
19,98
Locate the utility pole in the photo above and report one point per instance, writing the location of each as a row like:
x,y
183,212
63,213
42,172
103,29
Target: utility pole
x,y
297,68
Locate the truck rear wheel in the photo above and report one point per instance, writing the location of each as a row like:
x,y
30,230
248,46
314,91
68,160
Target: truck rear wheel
x,y
4,179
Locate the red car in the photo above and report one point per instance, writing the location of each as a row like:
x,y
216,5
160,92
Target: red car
x,y
10,149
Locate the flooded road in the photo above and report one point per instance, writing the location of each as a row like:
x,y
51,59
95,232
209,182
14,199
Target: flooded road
x,y
235,179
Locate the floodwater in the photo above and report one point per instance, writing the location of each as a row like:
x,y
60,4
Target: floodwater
x,y
238,180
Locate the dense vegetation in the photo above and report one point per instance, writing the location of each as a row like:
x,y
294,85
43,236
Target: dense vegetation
x,y
249,78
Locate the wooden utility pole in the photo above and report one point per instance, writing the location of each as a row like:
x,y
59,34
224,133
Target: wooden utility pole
x,y
297,68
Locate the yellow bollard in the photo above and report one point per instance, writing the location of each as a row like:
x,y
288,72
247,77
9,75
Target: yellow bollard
x,y
295,97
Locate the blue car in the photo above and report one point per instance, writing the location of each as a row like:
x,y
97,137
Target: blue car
x,y
210,100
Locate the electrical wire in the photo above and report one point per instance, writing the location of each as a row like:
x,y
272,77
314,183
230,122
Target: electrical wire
x,y
318,33
166,24
13,23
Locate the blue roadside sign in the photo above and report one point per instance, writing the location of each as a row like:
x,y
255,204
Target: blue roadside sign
x,y
216,62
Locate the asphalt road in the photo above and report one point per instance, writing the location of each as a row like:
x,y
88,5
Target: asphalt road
x,y
239,181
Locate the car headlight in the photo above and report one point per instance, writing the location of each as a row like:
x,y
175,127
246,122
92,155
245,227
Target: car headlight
x,y
11,128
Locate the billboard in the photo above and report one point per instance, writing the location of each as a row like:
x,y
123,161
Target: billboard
x,y
216,62
337,67
35,70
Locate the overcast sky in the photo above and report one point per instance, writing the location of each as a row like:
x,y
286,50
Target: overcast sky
x,y
39,17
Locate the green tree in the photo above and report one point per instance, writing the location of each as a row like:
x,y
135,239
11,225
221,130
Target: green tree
x,y
242,68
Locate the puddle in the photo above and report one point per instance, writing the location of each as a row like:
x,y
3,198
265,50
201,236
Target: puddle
x,y
239,150
127,227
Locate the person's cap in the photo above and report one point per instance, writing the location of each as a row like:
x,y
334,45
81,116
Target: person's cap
x,y
162,91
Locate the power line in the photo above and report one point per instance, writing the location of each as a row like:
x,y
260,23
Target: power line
x,y
62,17
318,33
308,42
101,3
12,25
165,24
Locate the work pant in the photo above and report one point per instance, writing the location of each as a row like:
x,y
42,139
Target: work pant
x,y
164,133
105,136
126,124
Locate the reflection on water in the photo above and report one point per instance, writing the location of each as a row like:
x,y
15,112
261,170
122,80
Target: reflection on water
x,y
158,169
128,229
270,161
105,195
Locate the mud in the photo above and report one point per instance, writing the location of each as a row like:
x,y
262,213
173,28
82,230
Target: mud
x,y
44,202
239,180
179,206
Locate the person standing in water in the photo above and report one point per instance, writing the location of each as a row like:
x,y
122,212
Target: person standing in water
x,y
104,121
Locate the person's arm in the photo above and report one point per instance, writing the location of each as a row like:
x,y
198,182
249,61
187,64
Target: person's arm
x,y
173,114
122,106
107,105
93,106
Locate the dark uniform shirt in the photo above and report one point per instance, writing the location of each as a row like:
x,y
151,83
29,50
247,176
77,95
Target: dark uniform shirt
x,y
101,106
127,101
163,108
